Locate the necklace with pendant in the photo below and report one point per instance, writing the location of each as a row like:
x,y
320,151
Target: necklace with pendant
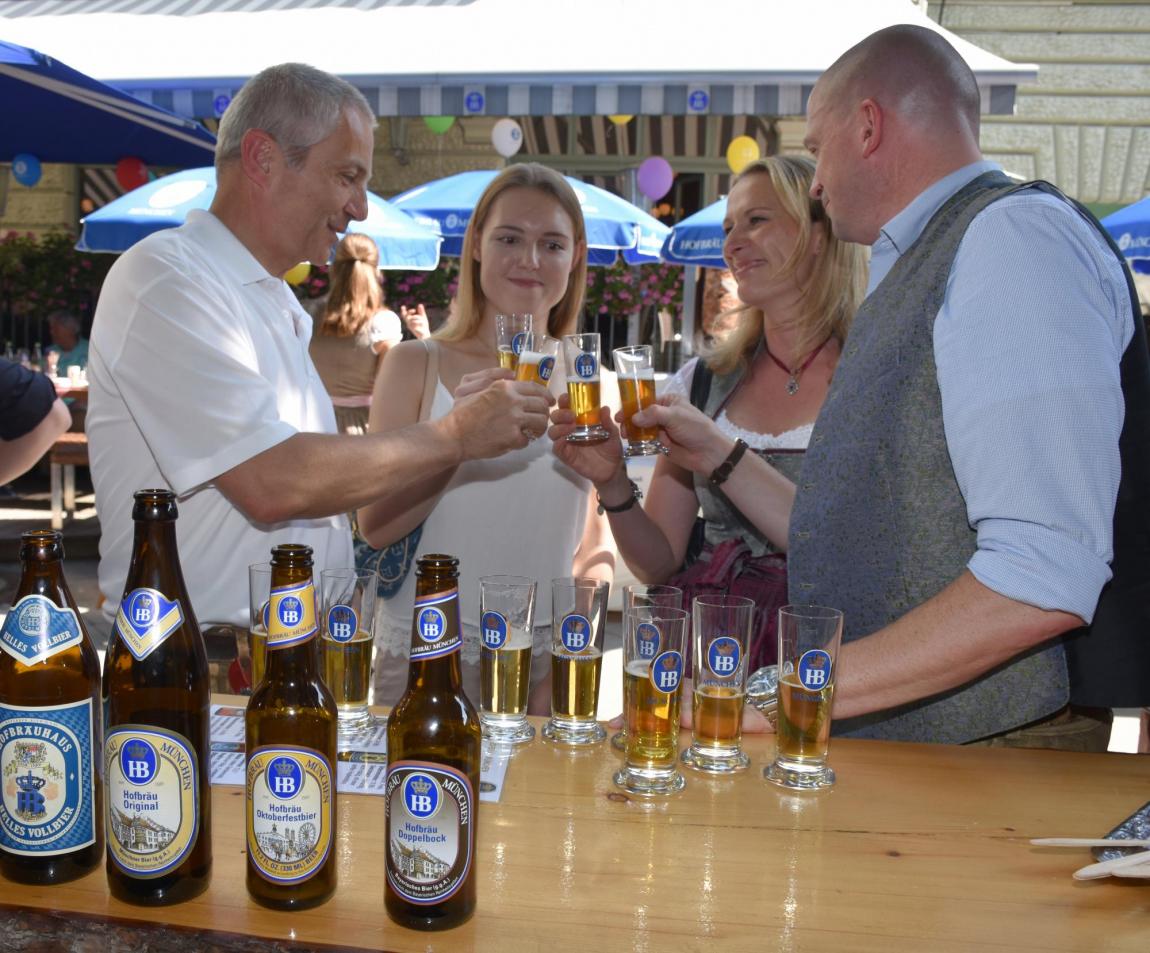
x,y
794,372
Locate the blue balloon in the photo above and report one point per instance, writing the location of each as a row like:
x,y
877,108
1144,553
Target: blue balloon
x,y
26,169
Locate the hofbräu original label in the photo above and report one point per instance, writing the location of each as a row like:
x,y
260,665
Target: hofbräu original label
x,y
151,816
289,812
47,805
291,615
36,628
434,636
146,619
430,813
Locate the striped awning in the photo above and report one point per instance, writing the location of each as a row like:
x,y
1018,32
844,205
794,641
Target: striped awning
x,y
485,57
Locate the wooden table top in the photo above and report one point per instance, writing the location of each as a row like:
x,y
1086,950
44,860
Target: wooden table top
x,y
918,848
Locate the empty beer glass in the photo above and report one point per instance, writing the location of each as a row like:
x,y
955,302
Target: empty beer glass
x,y
506,623
653,642
578,618
809,639
636,371
259,593
537,358
581,358
348,645
638,594
511,333
720,637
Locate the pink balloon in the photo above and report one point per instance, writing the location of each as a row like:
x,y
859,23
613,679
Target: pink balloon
x,y
655,177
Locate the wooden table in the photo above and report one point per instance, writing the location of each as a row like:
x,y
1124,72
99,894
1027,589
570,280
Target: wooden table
x,y
919,848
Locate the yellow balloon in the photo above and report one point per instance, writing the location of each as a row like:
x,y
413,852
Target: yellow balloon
x,y
620,120
297,274
742,151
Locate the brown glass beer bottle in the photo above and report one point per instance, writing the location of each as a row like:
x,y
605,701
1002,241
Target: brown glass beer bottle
x,y
156,696
434,743
51,816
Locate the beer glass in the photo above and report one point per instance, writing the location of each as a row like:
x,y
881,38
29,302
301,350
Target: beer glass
x,y
506,623
721,638
511,333
638,594
636,370
537,358
347,644
259,592
581,358
653,642
809,639
578,618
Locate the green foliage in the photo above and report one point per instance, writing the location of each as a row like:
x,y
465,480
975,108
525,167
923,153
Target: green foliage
x,y
624,288
41,275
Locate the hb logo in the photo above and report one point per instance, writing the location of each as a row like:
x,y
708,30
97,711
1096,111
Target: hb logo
x,y
517,342
342,623
575,633
494,630
290,611
585,366
815,670
284,777
666,672
143,609
546,366
430,624
647,640
723,656
138,761
421,795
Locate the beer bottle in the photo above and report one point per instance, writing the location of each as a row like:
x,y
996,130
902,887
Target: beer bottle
x,y
291,752
156,697
433,749
51,820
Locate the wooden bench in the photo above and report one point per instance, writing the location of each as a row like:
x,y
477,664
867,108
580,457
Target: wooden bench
x,y
67,453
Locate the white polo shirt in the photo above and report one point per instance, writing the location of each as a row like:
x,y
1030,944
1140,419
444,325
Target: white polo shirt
x,y
199,361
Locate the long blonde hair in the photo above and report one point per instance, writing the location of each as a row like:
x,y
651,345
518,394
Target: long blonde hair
x,y
837,283
355,293
471,301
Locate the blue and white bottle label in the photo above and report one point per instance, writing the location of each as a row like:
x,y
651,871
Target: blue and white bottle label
x,y
47,768
146,619
433,633
667,672
342,623
494,628
576,633
723,656
36,628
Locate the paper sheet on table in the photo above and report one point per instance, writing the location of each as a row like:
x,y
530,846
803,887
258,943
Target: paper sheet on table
x,y
362,764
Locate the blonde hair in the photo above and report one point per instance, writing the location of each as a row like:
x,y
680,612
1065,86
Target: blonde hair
x,y
837,283
471,301
355,293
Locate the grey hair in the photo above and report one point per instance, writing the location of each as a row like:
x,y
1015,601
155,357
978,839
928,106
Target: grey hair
x,y
296,104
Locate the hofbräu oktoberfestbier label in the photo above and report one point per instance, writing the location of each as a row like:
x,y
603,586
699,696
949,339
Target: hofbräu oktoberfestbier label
x,y
145,620
48,799
153,792
289,812
291,615
435,635
36,628
430,812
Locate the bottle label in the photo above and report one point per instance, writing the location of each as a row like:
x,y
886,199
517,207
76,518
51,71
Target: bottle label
x,y
36,629
146,619
433,637
289,812
291,615
430,816
48,804
151,810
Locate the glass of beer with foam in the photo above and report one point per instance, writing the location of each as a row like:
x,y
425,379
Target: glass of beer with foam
x,y
506,624
653,667
636,372
578,619
536,360
720,638
259,594
348,645
809,640
581,358
640,594
511,333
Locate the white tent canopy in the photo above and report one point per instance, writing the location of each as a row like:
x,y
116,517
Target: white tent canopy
x,y
485,57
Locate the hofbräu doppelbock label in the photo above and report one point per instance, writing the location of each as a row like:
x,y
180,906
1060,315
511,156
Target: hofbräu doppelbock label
x,y
145,620
436,625
47,804
430,816
291,617
289,812
36,628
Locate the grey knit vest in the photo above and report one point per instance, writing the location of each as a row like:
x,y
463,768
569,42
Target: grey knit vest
x,y
879,525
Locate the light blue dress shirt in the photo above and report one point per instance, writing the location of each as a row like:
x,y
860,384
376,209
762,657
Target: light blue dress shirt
x,y
1027,344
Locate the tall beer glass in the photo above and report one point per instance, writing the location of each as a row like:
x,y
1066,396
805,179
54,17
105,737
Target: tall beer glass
x,y
259,592
581,358
638,594
636,370
720,637
653,642
537,358
506,622
348,643
578,618
511,333
809,639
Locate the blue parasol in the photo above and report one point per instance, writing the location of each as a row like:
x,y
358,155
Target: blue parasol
x,y
698,239
57,114
614,225
164,203
1130,228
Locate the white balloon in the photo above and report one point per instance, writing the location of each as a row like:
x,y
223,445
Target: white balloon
x,y
507,137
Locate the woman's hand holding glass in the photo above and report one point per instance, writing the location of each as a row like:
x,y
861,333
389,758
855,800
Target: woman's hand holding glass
x,y
693,440
597,462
